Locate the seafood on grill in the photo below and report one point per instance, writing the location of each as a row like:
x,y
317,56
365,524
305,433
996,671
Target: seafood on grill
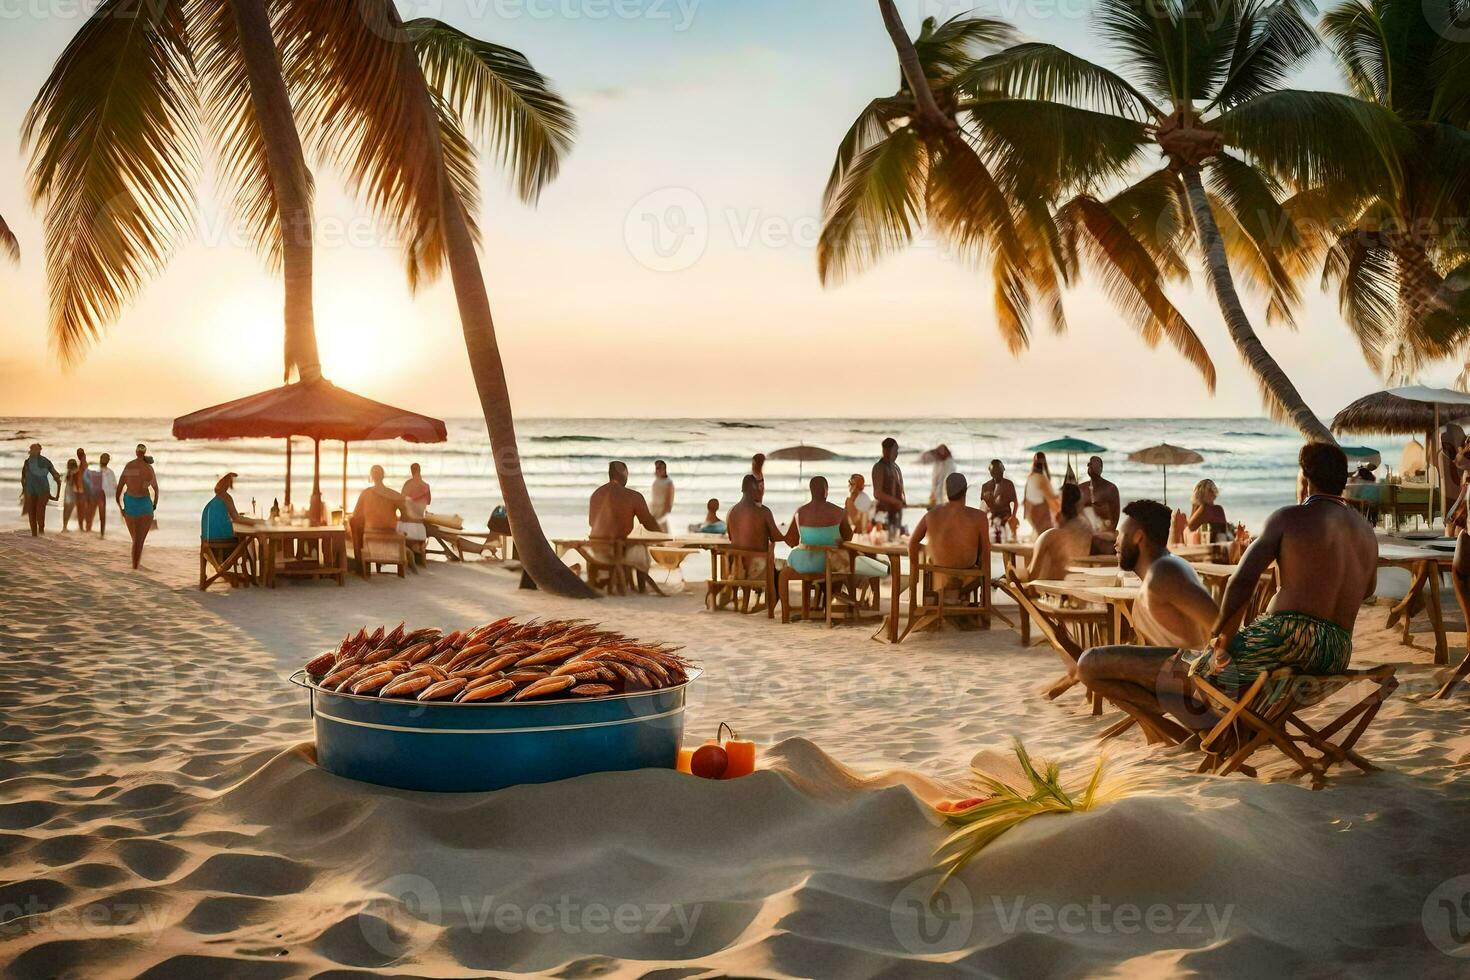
x,y
501,661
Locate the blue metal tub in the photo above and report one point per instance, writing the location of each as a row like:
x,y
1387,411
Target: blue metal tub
x,y
462,748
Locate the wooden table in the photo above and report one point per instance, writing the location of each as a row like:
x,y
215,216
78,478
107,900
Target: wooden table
x,y
894,552
328,559
1425,565
1118,598
584,547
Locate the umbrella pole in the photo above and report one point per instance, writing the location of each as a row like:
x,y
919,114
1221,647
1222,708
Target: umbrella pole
x,y
1166,484
318,513
288,472
344,481
1438,480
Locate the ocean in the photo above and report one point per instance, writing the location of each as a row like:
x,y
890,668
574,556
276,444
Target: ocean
x,y
1252,460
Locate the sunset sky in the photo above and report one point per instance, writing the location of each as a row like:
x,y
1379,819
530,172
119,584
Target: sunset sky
x,y
714,120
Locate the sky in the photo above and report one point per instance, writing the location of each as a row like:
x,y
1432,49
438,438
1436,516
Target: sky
x,y
669,272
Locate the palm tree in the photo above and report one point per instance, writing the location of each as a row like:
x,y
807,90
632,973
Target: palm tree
x,y
1390,248
8,241
116,134
980,171
1203,78
396,105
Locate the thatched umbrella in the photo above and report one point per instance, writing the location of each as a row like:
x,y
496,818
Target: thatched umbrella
x,y
1166,456
1406,411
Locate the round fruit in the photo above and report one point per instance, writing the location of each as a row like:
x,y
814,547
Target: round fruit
x,y
709,762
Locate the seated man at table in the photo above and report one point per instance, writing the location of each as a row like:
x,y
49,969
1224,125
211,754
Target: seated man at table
x,y
751,526
219,517
1327,559
998,494
957,536
1061,546
820,524
612,511
378,508
1100,505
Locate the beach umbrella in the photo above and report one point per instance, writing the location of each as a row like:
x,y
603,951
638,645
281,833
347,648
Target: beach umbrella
x,y
1165,455
1363,453
316,410
802,454
1411,409
1068,445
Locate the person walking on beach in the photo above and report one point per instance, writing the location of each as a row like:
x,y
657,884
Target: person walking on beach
x,y
888,488
1041,497
1326,555
137,495
859,505
85,500
71,492
943,466
36,475
998,494
661,495
104,485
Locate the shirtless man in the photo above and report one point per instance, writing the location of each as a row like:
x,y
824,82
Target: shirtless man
x,y
35,487
612,511
751,526
888,488
956,534
1060,546
999,496
1327,557
1101,498
137,495
1174,611
661,495
377,508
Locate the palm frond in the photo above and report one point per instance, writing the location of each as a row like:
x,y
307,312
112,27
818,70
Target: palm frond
x,y
1359,44
877,207
872,124
357,85
1272,39
1305,138
1044,792
1260,236
1040,148
496,90
1044,71
946,48
8,242
113,140
228,112
1363,269
1132,280
1154,212
1145,34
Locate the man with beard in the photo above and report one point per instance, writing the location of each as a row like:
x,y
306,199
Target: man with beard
x,y
1174,612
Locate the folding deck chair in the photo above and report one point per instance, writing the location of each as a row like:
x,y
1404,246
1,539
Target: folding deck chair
x,y
1269,713
230,562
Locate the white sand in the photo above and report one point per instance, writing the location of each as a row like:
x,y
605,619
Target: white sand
x,y
160,813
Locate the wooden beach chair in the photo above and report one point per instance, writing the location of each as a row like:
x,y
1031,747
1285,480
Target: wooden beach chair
x,y
1460,579
232,562
609,569
1268,713
454,544
830,594
931,606
382,548
730,583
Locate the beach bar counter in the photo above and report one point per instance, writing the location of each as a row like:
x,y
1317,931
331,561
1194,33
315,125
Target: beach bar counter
x,y
447,747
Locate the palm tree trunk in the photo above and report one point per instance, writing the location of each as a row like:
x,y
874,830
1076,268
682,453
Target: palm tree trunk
x,y
290,180
548,571
913,69
1275,385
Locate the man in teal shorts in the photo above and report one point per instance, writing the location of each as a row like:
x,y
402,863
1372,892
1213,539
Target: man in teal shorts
x,y
36,474
137,495
1327,558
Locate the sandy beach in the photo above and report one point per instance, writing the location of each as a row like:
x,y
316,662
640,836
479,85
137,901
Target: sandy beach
x,y
161,815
